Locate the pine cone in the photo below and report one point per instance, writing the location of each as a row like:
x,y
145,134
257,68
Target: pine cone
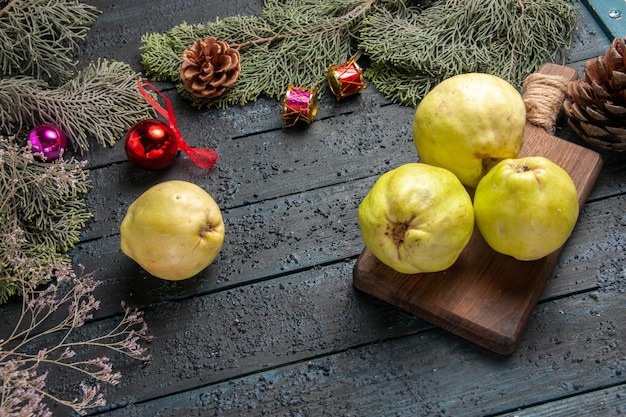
x,y
596,106
209,67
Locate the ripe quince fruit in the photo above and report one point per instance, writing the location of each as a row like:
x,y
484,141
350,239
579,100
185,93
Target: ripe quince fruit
x,y
174,230
417,218
526,207
469,122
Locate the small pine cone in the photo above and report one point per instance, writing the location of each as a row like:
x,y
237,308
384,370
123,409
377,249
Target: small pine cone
x,y
596,106
209,67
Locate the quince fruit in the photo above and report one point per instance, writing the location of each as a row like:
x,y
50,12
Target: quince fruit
x,y
174,230
469,122
526,207
417,218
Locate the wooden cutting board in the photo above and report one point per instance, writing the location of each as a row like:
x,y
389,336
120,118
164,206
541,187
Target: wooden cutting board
x,y
485,297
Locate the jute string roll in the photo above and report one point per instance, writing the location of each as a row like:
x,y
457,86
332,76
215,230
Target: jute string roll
x,y
544,96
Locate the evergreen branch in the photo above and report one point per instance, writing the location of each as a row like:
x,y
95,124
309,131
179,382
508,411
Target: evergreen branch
x,y
101,101
291,42
160,58
8,7
411,52
411,46
337,22
46,52
41,215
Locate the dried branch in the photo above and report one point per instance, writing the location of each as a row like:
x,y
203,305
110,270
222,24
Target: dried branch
x,y
24,364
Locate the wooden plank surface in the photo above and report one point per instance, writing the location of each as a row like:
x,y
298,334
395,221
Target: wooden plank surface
x,y
430,373
485,297
610,14
275,326
287,320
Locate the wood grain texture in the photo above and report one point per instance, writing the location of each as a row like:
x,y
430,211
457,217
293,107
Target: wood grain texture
x,y
293,319
607,402
484,297
428,373
275,325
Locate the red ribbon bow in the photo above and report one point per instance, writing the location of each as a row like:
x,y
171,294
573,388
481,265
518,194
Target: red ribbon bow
x,y
202,157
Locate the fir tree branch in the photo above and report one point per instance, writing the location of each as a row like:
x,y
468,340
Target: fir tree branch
x,y
411,46
8,7
268,40
291,42
47,52
42,213
100,102
413,51
337,22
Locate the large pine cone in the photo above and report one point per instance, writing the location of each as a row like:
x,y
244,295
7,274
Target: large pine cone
x,y
209,67
596,106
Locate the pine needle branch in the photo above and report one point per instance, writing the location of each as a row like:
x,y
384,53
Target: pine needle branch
x,y
411,46
42,213
291,42
412,52
7,7
40,38
100,102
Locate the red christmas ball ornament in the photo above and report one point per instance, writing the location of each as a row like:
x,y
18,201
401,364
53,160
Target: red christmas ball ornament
x,y
151,144
47,142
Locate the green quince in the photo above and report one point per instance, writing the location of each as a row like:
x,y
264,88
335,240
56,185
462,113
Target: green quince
x,y
417,218
468,123
526,207
174,230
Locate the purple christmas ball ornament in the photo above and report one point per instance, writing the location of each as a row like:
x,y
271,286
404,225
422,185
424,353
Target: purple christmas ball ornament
x,y
47,142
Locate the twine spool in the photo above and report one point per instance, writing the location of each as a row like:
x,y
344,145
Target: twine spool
x,y
543,96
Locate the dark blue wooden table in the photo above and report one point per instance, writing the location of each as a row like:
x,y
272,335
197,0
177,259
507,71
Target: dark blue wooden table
x,y
275,326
